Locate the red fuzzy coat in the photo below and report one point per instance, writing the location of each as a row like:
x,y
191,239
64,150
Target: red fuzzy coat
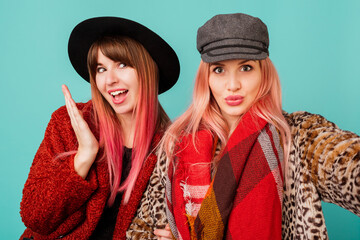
x,y
57,202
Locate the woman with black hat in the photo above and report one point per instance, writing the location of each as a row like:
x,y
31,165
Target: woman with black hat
x,y
233,150
93,176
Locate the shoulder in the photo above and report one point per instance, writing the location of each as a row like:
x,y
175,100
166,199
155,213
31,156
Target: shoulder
x,y
61,116
61,112
60,120
156,139
306,120
202,135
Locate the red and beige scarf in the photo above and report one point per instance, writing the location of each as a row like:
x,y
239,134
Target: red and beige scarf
x,y
243,200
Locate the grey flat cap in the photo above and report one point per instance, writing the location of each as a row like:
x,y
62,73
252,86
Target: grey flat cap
x,y
233,36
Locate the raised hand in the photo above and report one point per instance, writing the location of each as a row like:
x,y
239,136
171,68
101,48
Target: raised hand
x,y
88,144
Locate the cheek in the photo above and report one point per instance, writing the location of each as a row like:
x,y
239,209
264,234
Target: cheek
x,y
130,78
254,87
214,86
99,83
135,85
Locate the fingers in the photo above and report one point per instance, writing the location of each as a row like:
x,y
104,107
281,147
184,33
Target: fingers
x,y
65,90
72,110
78,123
82,131
68,99
68,103
163,234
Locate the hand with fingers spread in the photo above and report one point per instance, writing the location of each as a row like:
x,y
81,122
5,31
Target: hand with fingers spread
x,y
88,144
163,234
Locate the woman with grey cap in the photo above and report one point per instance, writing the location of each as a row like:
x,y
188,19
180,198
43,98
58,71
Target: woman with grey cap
x,y
240,167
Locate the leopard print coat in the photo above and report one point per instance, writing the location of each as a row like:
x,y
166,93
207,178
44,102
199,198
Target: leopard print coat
x,y
151,212
324,164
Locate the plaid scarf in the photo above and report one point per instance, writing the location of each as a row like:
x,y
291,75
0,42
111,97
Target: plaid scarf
x,y
243,201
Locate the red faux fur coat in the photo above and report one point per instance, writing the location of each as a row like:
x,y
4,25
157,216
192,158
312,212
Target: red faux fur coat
x,y
57,202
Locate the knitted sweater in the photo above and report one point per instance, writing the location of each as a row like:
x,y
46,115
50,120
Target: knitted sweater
x,y
57,202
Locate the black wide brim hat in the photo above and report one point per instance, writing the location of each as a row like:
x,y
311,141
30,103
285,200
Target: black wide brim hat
x,y
90,30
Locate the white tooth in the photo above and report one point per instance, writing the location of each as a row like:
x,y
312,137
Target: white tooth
x,y
117,92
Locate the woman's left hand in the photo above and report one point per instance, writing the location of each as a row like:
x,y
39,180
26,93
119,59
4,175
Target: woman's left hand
x,y
163,234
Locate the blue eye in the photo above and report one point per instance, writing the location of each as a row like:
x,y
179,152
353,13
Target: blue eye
x,y
218,70
246,68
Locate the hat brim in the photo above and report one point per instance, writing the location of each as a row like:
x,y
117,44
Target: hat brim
x,y
90,30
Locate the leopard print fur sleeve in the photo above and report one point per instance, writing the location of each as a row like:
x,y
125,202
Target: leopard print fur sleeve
x,y
151,212
324,164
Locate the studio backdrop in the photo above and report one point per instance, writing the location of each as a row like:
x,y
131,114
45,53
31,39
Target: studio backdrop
x,y
314,45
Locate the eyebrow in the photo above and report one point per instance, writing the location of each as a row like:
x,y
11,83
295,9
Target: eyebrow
x,y
216,63
245,61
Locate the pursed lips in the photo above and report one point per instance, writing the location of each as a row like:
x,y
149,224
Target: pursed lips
x,y
234,100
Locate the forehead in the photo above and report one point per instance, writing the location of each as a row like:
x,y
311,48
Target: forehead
x,y
102,59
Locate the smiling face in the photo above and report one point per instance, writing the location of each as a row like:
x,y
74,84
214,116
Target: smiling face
x,y
234,85
118,84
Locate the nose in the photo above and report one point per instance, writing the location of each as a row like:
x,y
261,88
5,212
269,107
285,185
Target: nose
x,y
111,77
233,83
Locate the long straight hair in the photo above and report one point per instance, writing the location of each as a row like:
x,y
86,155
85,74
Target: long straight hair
x,y
204,112
148,113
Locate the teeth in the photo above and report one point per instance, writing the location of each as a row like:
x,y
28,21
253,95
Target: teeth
x,y
117,92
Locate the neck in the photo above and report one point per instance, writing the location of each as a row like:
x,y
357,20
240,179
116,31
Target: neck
x,y
128,129
232,122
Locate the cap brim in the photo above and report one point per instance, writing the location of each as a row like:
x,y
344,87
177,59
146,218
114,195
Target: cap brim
x,y
234,54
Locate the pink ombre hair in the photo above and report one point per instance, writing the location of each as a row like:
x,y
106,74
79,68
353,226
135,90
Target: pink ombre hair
x,y
149,115
204,112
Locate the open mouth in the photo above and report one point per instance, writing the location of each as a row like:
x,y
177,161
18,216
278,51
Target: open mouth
x,y
118,93
119,96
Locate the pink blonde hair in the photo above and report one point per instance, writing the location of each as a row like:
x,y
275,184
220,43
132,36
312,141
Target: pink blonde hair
x,y
149,115
204,113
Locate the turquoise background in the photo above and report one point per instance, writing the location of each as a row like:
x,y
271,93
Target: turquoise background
x,y
315,45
